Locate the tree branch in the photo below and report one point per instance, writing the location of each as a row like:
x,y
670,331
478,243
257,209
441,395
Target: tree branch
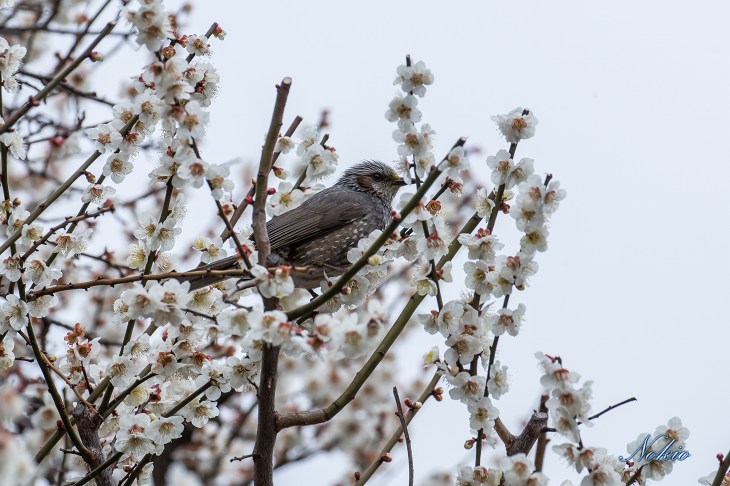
x,y
88,425
427,393
722,470
524,442
404,427
140,277
263,451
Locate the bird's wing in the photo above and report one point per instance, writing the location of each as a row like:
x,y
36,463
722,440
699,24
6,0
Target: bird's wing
x,y
315,218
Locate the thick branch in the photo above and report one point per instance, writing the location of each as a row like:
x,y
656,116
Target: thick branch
x,y
543,440
524,442
88,425
267,156
263,452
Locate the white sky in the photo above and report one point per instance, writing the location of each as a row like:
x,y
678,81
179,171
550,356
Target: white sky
x,y
632,101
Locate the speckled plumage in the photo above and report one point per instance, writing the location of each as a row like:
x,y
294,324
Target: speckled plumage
x,y
319,233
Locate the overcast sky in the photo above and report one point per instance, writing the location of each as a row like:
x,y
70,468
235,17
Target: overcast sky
x,y
633,106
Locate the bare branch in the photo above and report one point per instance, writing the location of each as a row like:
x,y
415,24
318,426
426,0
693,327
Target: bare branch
x,y
427,393
141,277
263,451
543,440
523,443
88,424
404,427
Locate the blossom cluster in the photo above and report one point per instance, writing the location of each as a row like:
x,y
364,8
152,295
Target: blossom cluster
x,y
568,408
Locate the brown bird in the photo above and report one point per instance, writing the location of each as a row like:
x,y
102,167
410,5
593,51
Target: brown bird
x,y
319,233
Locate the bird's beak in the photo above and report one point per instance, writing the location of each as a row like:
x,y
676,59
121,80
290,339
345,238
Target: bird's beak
x,y
399,182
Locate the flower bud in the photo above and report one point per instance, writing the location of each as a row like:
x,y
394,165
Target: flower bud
x,y
375,260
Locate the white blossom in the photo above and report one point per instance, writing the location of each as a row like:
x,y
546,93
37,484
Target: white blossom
x,y
7,358
277,283
217,176
106,136
482,245
117,167
97,193
516,469
40,306
506,320
122,370
414,78
285,199
211,249
498,383
13,314
478,476
455,162
199,412
403,109
197,45
133,437
71,245
15,143
466,388
515,125
11,268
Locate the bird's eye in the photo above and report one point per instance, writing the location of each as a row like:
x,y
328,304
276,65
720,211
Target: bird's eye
x,y
378,177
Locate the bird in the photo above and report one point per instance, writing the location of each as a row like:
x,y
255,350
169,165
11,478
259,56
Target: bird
x,y
317,235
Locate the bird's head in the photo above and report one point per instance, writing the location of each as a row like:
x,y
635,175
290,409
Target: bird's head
x,y
377,178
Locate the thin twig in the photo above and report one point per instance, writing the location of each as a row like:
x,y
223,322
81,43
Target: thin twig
x,y
241,458
404,426
111,282
63,224
427,393
608,409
